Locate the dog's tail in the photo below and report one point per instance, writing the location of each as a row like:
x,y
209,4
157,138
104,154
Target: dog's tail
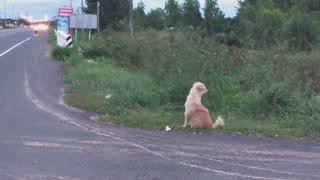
x,y
218,123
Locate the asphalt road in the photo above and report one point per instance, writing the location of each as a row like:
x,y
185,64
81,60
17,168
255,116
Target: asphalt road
x,y
42,138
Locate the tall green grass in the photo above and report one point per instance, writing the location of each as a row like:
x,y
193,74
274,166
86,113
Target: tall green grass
x,y
101,87
271,92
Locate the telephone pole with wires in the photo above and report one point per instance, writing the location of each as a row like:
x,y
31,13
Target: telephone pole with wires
x,y
70,4
98,16
81,6
131,23
5,13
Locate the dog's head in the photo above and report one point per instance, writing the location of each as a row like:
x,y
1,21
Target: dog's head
x,y
200,88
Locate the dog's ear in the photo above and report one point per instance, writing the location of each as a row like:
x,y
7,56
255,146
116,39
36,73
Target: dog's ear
x,y
200,87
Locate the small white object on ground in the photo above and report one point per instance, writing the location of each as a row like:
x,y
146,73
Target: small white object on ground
x,y
108,96
90,61
168,128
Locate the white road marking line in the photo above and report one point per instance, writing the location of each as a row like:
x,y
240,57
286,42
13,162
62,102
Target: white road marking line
x,y
15,46
4,34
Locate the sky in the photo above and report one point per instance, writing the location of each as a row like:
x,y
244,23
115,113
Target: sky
x,y
41,9
228,7
37,9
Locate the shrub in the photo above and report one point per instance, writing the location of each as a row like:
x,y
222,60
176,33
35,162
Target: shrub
x,y
61,54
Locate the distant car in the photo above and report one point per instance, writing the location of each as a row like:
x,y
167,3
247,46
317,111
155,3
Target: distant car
x,y
39,27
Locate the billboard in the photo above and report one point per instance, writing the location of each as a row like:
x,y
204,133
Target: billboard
x,y
83,21
63,23
65,11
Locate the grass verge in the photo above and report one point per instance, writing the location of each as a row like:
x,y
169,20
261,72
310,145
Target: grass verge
x,y
260,93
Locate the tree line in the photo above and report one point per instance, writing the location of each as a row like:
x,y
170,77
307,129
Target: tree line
x,y
258,23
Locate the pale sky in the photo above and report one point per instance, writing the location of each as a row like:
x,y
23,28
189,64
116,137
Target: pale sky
x,y
38,9
227,6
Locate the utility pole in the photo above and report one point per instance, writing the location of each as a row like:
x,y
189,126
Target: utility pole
x,y
98,16
5,15
81,6
131,23
70,3
12,12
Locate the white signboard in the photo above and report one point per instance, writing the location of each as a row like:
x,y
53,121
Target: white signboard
x,y
83,21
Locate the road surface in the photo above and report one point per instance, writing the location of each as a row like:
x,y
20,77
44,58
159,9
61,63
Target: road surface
x,y
42,138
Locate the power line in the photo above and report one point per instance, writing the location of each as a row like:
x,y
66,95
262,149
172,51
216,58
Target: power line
x,y
70,5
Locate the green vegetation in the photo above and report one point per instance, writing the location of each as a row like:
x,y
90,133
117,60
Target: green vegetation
x,y
268,87
257,92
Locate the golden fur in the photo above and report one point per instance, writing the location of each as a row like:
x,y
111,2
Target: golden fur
x,y
196,115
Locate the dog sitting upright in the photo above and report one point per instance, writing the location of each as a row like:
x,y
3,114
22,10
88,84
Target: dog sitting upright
x,y
196,115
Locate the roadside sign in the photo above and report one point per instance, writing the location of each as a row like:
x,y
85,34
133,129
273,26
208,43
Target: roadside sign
x,y
64,20
83,21
63,24
65,11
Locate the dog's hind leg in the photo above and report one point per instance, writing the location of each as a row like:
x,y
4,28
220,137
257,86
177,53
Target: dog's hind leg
x,y
185,124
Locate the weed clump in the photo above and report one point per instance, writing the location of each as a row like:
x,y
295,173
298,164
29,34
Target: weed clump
x,y
61,54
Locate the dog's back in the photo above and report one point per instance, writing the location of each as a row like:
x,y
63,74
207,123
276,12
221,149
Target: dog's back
x,y
198,116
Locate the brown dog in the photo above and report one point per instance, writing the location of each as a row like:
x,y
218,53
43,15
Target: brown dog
x,y
196,115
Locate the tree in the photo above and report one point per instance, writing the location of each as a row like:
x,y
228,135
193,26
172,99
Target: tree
x,y
214,20
269,21
155,19
261,23
191,13
268,28
111,11
173,13
283,5
246,19
131,22
302,29
139,15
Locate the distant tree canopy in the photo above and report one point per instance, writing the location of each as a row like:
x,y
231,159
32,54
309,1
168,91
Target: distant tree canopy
x,y
173,13
258,23
214,20
270,21
140,15
111,11
191,14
